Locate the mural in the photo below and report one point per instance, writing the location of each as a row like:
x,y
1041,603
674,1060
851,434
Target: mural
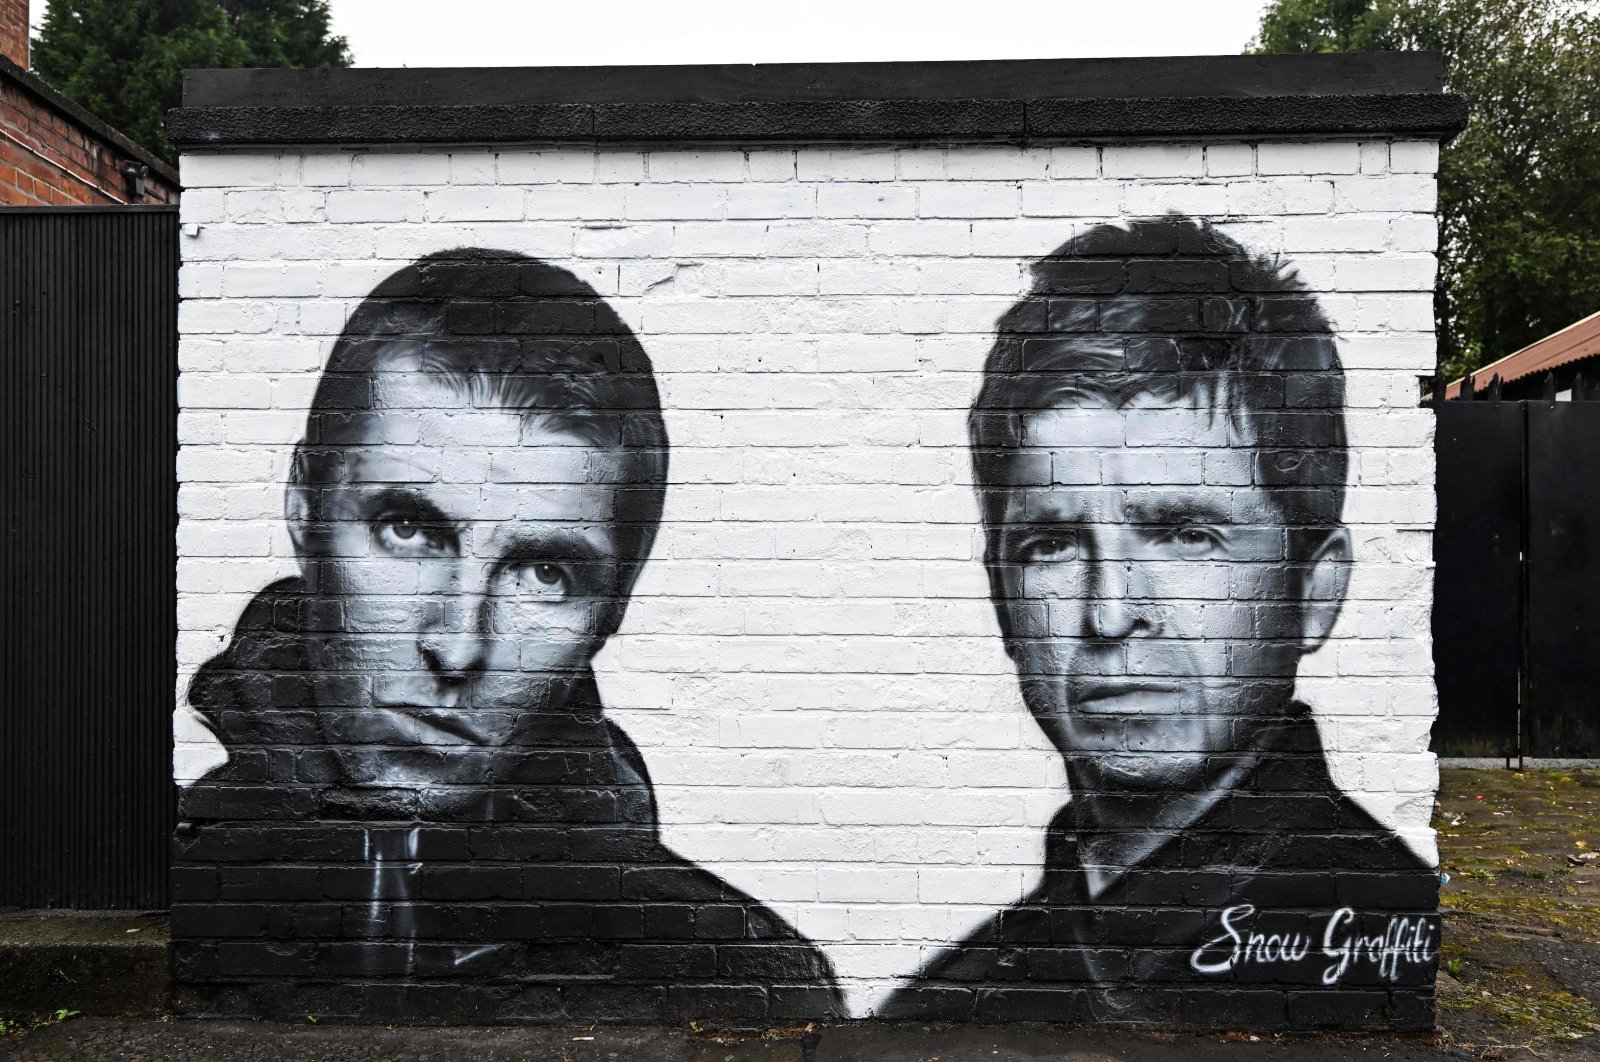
x,y
1157,614
425,810
424,804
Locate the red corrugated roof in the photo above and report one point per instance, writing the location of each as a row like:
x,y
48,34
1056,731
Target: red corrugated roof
x,y
1573,343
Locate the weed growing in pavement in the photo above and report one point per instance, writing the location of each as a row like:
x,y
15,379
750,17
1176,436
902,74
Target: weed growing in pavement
x,y
21,1026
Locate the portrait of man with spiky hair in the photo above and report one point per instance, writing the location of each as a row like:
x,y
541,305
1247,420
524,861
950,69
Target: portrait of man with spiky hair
x,y
425,807
1159,450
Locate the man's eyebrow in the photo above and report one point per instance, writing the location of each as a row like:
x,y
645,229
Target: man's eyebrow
x,y
403,497
1167,507
360,465
559,542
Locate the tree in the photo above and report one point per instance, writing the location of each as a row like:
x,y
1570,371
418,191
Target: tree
x,y
1322,26
1519,191
124,59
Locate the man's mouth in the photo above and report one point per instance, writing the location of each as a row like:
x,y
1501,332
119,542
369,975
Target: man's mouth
x,y
422,725
1126,698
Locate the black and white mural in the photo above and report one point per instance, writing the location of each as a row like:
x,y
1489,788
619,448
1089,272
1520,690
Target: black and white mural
x,y
424,804
1157,611
937,583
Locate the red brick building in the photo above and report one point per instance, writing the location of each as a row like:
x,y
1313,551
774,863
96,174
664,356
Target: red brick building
x,y
55,153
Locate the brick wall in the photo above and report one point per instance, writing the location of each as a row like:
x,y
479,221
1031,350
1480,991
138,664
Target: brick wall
x,y
54,154
811,666
14,31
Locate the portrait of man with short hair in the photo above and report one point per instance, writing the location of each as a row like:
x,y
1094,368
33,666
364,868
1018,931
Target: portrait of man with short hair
x,y
425,805
1160,454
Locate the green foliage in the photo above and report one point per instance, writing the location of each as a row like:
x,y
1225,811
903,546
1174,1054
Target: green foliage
x,y
1519,192
1324,26
124,59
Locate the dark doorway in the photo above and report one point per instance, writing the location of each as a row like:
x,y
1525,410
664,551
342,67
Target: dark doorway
x,y
88,382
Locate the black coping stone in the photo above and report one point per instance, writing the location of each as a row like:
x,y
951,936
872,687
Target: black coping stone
x,y
1011,100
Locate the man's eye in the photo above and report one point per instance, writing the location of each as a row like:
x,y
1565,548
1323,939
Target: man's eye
x,y
1194,542
542,579
1049,549
406,538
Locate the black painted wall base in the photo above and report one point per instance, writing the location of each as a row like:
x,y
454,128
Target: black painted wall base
x,y
441,1002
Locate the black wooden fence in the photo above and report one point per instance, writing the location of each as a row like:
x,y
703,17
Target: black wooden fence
x,y
88,407
1516,617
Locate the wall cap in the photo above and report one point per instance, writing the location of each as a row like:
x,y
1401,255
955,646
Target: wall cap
x,y
1355,93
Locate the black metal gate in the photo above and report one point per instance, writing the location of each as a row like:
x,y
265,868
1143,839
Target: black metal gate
x,y
88,374
1516,618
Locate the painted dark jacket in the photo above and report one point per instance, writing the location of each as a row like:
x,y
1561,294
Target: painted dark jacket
x,y
541,892
1285,899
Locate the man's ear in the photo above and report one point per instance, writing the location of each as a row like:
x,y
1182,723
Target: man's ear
x,y
297,510
1322,588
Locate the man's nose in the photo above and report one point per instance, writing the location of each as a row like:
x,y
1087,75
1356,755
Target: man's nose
x,y
455,644
1112,613
1112,619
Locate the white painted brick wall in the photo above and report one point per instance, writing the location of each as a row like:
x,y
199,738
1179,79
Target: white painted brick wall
x,y
811,665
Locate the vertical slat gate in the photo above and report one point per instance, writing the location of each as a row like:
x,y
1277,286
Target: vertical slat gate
x,y
1477,590
88,375
1563,580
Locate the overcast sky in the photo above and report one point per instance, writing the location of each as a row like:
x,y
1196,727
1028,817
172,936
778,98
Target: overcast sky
x,y
541,33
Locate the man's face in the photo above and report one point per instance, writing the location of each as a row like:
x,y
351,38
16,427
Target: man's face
x,y
462,567
1146,589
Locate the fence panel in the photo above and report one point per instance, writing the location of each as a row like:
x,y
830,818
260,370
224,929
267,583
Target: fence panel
x,y
88,374
1477,579
1563,719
